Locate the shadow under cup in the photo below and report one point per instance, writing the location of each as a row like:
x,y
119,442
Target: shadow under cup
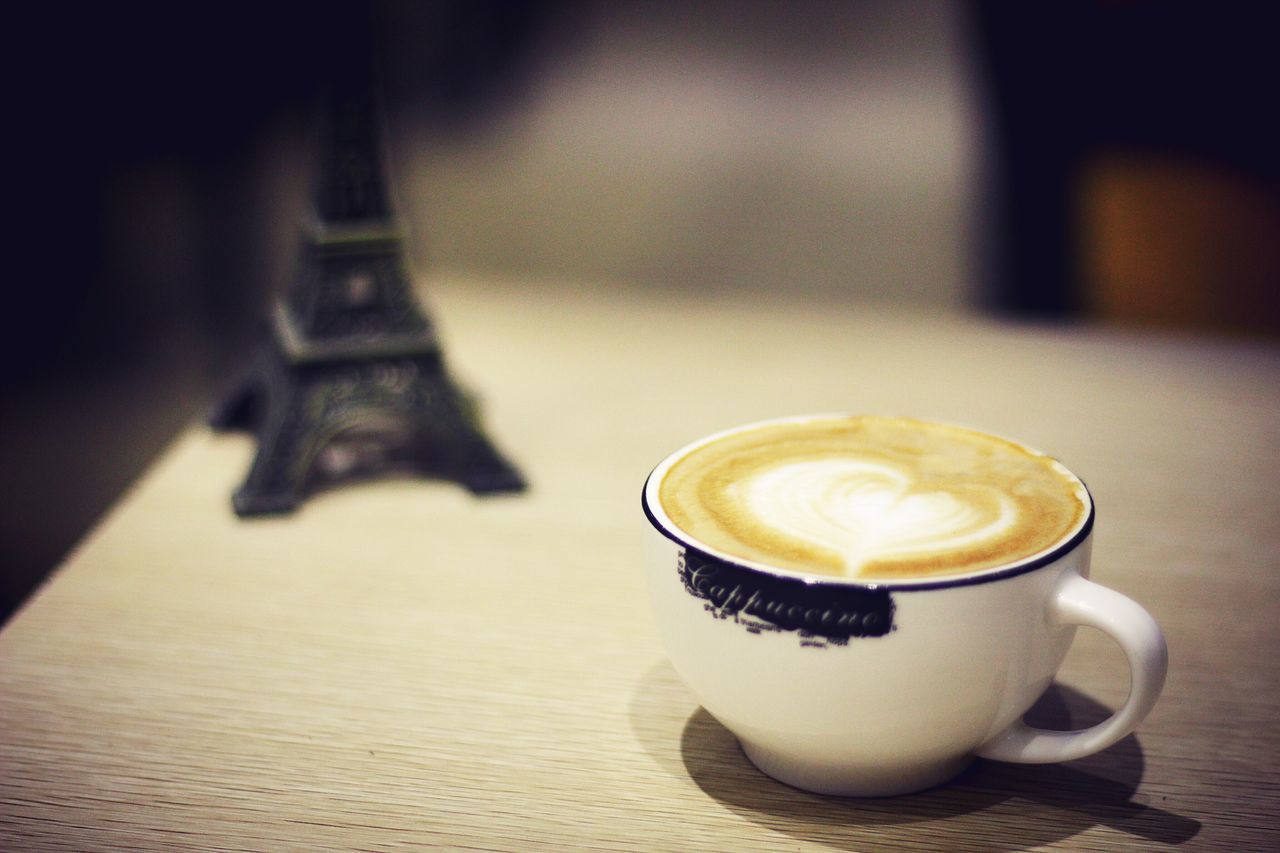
x,y
879,688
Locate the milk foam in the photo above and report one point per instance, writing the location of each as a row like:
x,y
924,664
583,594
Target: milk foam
x,y
872,497
866,511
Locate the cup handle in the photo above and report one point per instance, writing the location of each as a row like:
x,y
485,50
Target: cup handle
x,y
1082,602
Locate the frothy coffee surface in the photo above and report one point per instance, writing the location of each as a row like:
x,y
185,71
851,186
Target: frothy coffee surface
x,y
872,497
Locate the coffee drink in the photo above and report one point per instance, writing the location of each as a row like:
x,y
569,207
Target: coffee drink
x,y
869,604
874,498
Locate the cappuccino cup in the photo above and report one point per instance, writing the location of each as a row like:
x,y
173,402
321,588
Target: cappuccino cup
x,y
870,603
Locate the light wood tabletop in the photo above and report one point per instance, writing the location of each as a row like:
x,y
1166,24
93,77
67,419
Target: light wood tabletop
x,y
401,665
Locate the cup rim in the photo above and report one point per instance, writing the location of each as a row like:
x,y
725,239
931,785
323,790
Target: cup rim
x,y
658,518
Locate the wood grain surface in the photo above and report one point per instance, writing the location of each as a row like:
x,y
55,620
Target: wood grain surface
x,y
399,665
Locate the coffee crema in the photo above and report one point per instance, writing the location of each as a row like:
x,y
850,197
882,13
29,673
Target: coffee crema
x,y
876,498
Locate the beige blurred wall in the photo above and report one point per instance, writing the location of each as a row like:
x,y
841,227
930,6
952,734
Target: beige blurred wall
x,y
768,146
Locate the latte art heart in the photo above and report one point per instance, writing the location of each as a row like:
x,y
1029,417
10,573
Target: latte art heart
x,y
865,511
871,497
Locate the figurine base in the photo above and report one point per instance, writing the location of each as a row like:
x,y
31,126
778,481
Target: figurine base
x,y
321,422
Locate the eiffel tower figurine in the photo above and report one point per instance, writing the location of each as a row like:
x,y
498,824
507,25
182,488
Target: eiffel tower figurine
x,y
352,375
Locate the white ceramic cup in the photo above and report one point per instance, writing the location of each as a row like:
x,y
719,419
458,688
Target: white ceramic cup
x,y
873,689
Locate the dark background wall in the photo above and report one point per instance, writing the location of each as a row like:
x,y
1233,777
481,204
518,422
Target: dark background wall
x,y
1136,161
138,136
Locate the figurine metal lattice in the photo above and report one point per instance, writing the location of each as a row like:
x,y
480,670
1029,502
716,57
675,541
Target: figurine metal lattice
x,y
351,378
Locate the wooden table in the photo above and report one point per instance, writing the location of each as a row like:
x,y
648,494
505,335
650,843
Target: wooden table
x,y
401,665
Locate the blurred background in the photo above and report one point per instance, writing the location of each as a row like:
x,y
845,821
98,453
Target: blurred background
x,y
1082,162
